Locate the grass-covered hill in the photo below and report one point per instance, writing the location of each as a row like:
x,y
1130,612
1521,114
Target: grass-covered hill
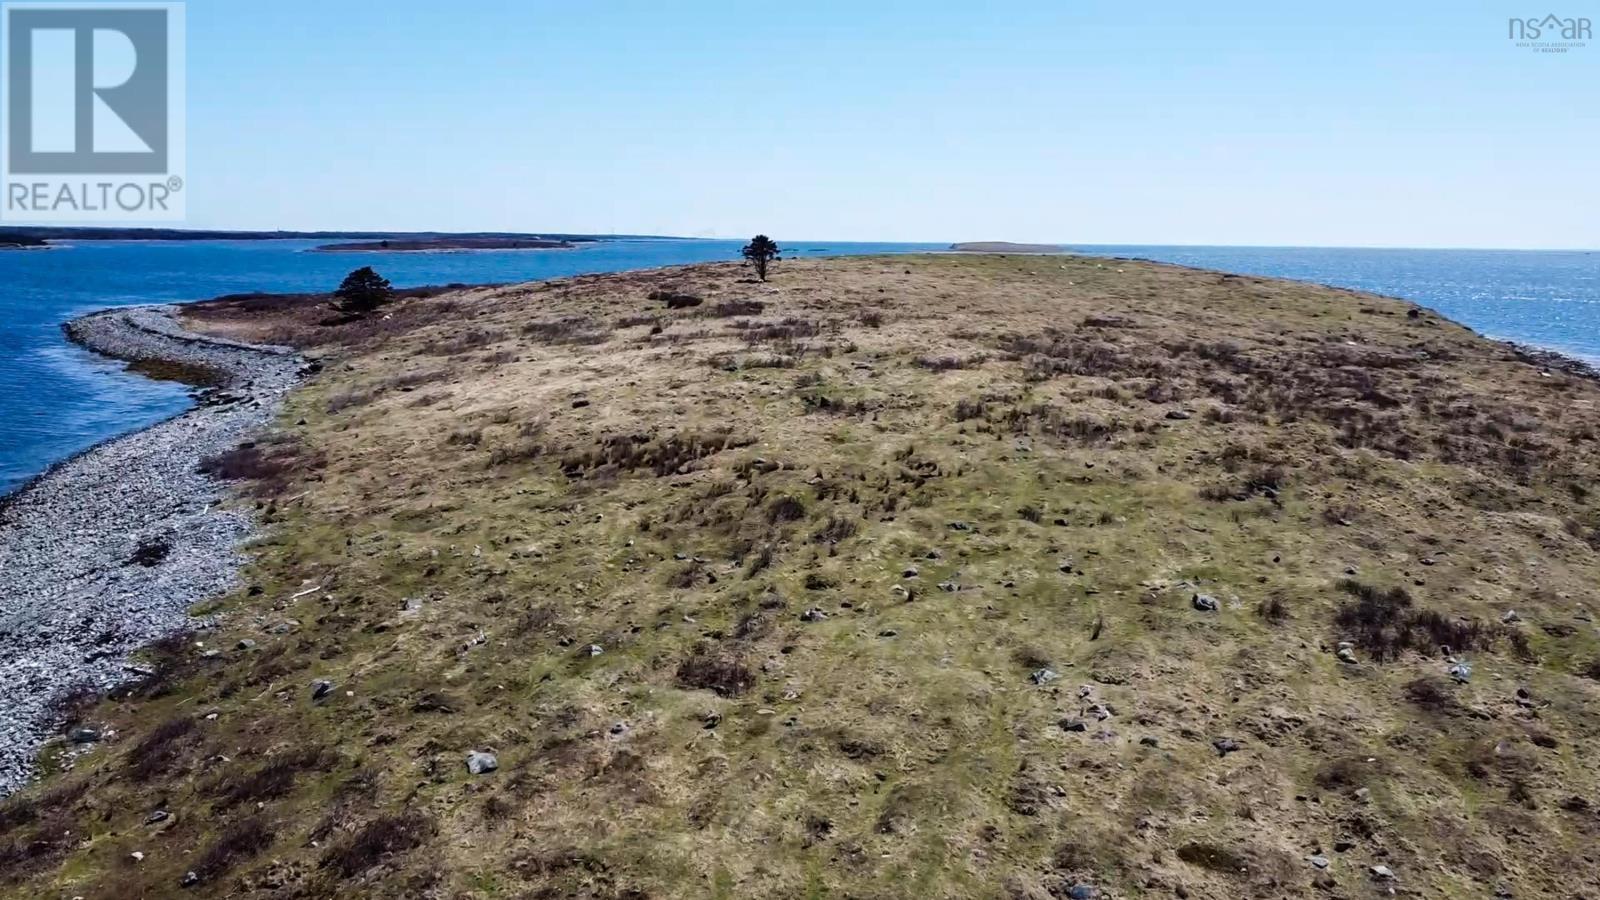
x,y
949,576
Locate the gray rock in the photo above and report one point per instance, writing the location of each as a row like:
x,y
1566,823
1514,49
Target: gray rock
x,y
1225,746
157,817
813,615
1083,892
320,689
83,734
1073,725
1205,603
1461,672
63,530
1320,862
910,572
190,879
245,644
1382,873
1510,617
1044,676
1346,655
480,763
1179,415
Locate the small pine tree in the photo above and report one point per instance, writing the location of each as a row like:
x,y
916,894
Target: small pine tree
x,y
759,253
361,292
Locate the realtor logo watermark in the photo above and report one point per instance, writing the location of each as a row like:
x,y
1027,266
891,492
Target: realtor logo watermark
x,y
1549,34
91,112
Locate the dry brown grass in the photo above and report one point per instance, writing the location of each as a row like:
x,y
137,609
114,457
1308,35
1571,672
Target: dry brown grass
x,y
747,600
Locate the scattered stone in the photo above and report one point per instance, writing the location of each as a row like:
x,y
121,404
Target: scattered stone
x,y
1510,617
1179,415
888,633
1346,654
593,650
1461,673
1100,711
1344,845
711,719
479,763
1044,676
619,727
1225,746
813,615
1205,603
246,644
1073,725
1320,862
949,587
910,572
321,688
1083,892
190,879
157,817
580,403
138,856
1382,873
1149,742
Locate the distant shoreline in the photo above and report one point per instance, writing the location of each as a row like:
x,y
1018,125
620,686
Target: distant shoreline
x,y
437,245
1005,247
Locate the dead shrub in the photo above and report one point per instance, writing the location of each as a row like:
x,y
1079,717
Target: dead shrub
x,y
462,341
789,328
574,330
661,455
269,469
1214,858
709,670
1384,623
949,363
157,751
273,779
786,509
728,309
378,840
241,840
836,530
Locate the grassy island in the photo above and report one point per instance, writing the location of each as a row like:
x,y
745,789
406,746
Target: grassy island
x,y
941,576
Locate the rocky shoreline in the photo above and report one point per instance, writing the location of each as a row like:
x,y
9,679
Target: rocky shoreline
x,y
107,551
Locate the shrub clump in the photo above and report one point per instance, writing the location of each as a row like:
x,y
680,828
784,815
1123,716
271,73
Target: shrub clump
x,y
1385,623
376,841
724,675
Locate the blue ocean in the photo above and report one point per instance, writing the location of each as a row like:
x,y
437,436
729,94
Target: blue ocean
x,y
57,399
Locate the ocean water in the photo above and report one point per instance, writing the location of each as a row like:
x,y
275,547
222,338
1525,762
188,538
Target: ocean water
x,y
56,399
1549,298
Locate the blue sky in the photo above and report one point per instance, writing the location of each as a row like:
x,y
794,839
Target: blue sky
x,y
1352,124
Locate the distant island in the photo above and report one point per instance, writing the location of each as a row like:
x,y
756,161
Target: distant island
x,y
34,236
20,242
1004,247
450,243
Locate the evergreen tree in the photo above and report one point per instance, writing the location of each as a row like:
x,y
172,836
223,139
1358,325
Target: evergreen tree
x,y
361,292
759,253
